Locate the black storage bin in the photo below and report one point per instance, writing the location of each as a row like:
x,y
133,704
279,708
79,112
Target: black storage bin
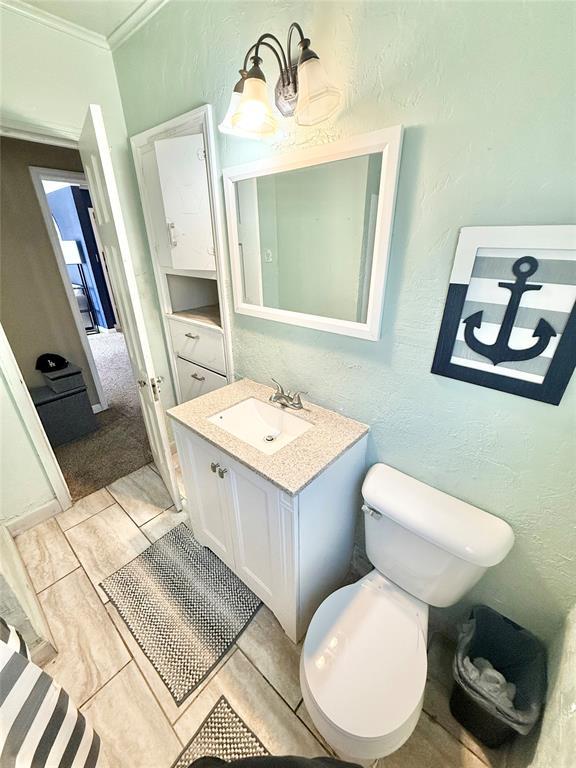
x,y
514,652
65,416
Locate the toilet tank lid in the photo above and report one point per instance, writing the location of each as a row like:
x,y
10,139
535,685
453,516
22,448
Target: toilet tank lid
x,y
453,525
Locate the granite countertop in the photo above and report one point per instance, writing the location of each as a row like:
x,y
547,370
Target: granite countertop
x,y
291,468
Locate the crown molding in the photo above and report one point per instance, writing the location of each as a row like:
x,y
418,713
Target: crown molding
x,y
40,132
132,24
123,31
55,22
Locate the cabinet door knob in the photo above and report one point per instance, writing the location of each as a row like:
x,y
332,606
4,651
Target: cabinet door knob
x,y
221,472
192,335
214,466
198,378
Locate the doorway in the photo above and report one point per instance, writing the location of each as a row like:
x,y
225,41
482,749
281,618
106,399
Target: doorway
x,y
57,298
70,207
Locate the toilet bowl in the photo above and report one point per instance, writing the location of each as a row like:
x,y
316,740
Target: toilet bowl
x,y
363,664
363,667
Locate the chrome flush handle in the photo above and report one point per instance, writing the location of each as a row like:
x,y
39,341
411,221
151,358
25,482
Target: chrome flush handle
x,y
372,512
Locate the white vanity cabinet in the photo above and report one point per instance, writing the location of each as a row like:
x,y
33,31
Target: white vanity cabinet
x,y
291,550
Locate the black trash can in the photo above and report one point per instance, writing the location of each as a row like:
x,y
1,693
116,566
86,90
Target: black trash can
x,y
516,654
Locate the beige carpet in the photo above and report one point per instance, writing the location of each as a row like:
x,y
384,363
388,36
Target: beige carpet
x,y
120,445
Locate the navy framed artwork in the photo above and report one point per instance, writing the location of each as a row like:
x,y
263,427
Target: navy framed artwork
x,y
510,317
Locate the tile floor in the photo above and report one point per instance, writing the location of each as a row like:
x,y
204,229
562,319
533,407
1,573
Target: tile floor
x,y
115,685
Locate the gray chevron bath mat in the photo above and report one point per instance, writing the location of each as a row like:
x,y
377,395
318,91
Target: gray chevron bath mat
x,y
184,607
223,734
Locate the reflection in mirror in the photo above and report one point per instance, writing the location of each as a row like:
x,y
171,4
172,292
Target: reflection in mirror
x,y
306,237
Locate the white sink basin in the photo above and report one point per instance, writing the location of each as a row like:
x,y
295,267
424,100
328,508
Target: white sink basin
x,y
266,427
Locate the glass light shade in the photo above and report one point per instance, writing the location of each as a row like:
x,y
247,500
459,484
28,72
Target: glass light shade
x,y
226,124
318,99
254,116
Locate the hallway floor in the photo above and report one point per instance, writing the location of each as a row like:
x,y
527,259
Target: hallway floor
x,y
120,445
108,676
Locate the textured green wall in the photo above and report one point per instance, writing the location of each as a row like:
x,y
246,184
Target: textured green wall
x,y
485,92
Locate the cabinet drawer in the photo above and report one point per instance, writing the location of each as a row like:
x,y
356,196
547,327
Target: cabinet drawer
x,y
195,380
198,344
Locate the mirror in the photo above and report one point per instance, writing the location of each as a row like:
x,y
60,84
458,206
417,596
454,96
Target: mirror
x,y
309,234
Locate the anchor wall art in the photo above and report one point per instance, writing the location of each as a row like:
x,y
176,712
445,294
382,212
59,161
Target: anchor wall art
x,y
510,317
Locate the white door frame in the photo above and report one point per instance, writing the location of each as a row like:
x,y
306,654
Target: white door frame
x,y
31,421
78,179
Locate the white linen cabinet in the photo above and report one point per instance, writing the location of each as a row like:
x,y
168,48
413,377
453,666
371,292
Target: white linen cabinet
x,y
178,181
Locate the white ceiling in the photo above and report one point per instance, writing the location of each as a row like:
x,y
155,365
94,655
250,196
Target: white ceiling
x,y
101,16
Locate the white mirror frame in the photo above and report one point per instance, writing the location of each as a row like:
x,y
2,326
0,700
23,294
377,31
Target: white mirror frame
x,y
387,141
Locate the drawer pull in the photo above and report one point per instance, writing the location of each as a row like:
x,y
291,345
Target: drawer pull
x,y
214,466
221,472
192,335
198,378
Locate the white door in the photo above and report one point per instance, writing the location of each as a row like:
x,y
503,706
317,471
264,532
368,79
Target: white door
x,y
97,162
211,520
186,198
254,505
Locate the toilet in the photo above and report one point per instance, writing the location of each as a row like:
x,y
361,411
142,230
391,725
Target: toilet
x,y
364,660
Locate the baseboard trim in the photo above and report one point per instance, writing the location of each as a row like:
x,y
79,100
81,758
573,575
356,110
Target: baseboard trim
x,y
29,519
42,653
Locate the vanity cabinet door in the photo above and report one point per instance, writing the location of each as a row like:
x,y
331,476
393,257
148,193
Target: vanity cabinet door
x,y
209,507
258,537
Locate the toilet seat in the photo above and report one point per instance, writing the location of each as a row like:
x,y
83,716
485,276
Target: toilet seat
x,y
364,666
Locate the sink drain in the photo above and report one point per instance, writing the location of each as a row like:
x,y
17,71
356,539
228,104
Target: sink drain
x,y
270,438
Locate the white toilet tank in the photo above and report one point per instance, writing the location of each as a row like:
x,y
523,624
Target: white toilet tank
x,y
430,544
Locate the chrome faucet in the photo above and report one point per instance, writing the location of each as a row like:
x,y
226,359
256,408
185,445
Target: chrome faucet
x,y
286,399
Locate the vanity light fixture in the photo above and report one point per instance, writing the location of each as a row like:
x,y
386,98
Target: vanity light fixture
x,y
302,90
